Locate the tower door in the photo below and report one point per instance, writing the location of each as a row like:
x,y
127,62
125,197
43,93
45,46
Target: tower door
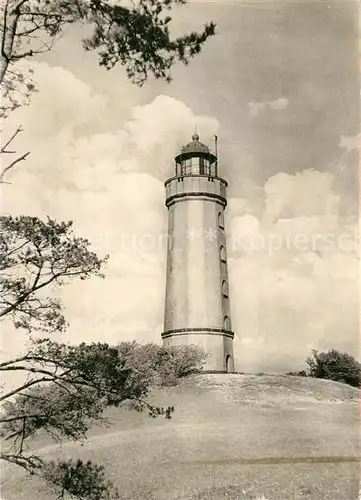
x,y
229,363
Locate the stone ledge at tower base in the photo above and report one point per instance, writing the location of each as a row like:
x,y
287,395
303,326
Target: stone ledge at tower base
x,y
199,331
217,343
216,372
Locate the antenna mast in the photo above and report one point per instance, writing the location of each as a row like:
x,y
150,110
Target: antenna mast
x,y
216,151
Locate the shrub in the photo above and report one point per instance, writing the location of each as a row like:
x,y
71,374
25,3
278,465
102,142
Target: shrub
x,y
174,362
335,365
301,373
165,365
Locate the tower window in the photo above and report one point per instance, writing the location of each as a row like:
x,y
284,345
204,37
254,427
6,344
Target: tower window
x,y
224,288
221,220
229,363
223,254
227,323
170,245
201,166
170,219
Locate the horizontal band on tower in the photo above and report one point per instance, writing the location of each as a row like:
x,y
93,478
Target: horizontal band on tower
x,y
172,199
199,331
196,175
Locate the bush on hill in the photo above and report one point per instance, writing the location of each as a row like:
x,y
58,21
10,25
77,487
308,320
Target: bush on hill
x,y
335,365
164,365
301,373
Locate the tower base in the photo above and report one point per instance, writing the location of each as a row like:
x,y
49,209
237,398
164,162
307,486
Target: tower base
x,y
216,342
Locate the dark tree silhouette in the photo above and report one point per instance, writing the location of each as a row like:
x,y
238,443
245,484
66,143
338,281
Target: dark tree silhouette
x,y
34,255
67,388
335,365
137,37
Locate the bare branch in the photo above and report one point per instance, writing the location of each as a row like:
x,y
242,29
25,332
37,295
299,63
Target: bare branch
x,y
10,23
30,464
23,55
12,361
19,417
17,131
23,436
4,150
12,165
14,250
23,387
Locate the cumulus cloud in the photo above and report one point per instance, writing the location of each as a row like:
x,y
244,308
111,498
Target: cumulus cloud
x,y
110,182
279,104
255,107
349,143
238,206
111,185
306,193
294,275
345,170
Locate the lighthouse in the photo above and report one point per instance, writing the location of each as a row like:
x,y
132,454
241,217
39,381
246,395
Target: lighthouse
x,y
197,301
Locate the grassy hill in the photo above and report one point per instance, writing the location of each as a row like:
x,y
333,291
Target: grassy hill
x,y
234,437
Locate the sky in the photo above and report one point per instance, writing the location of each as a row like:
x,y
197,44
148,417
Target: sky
x,y
278,84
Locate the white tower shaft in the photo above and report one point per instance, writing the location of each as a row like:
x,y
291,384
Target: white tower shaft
x,y
197,309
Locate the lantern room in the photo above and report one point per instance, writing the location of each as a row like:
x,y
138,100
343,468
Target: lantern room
x,y
196,159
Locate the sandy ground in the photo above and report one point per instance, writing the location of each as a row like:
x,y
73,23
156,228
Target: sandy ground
x,y
234,437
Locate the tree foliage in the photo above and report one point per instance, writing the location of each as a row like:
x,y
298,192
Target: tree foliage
x,y
82,480
135,34
14,160
35,255
335,365
67,388
164,366
66,391
299,373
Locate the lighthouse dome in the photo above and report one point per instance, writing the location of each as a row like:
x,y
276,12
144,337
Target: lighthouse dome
x,y
195,146
195,149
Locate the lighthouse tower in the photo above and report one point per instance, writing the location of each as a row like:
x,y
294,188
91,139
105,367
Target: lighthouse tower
x,y
197,308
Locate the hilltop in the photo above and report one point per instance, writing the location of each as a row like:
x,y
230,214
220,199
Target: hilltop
x,y
234,437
